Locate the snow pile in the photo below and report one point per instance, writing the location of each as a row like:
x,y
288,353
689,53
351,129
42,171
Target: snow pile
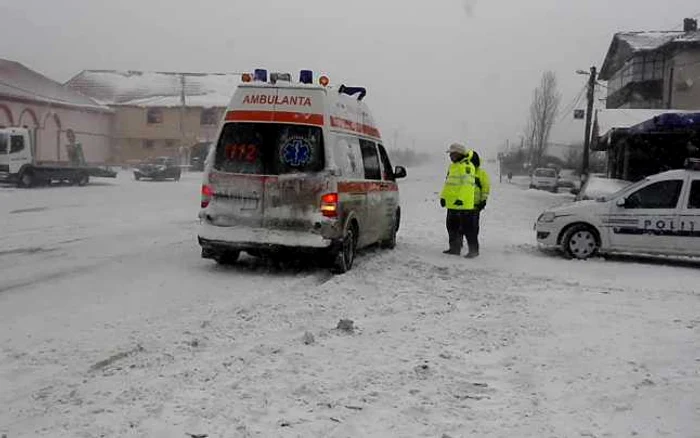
x,y
646,41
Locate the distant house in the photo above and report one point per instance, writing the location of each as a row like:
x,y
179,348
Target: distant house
x,y
159,114
654,70
49,109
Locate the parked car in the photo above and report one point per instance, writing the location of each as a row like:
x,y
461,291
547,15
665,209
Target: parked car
x,y
294,172
568,179
544,178
158,169
597,186
657,215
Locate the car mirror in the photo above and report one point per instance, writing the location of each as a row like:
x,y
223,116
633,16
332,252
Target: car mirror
x,y
400,172
622,203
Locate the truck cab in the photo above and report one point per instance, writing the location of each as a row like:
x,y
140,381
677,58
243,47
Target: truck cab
x,y
15,151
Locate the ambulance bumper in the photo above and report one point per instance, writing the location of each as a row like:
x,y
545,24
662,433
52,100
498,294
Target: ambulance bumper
x,y
248,238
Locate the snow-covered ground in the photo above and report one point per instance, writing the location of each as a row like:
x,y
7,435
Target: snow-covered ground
x,y
111,326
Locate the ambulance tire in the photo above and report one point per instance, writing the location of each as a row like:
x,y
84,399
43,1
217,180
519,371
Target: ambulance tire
x,y
580,242
228,258
345,257
390,243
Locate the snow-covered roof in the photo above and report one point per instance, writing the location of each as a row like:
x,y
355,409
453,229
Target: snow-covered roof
x,y
156,89
627,44
20,82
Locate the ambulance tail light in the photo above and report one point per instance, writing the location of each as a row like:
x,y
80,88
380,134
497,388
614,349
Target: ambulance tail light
x,y
246,77
207,194
324,81
329,205
260,75
306,77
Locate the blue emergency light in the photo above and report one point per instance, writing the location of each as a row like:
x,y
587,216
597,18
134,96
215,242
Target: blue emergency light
x,y
306,77
260,75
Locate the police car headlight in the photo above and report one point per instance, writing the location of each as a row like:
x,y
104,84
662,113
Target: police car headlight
x,y
547,217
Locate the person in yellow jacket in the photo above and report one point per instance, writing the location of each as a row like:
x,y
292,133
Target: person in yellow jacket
x,y
458,197
482,192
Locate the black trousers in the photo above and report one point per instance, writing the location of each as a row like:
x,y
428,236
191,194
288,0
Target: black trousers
x,y
461,224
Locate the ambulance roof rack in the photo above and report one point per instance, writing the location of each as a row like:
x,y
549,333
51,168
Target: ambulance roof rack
x,y
692,164
351,91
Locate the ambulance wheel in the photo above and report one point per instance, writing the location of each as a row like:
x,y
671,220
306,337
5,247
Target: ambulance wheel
x,y
580,242
390,243
228,258
345,257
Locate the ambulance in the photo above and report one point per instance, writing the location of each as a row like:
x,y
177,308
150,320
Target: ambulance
x,y
298,168
657,215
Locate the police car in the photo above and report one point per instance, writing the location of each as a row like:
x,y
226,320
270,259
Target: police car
x,y
657,215
299,167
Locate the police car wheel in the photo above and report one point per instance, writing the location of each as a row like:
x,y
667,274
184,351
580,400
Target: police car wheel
x,y
580,242
346,256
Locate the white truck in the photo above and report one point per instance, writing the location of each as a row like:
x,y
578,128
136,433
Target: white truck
x,y
18,164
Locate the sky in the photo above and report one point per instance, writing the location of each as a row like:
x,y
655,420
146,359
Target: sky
x,y
437,71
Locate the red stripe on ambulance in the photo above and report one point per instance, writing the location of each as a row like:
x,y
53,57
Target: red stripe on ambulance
x,y
363,187
349,125
275,116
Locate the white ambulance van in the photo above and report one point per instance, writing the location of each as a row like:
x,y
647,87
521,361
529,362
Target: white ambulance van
x,y
657,215
298,168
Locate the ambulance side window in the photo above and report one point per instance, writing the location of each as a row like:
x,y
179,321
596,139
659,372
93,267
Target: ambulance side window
x,y
3,143
388,173
694,201
660,195
370,159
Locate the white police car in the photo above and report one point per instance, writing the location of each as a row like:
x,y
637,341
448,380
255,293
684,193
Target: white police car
x,y
657,215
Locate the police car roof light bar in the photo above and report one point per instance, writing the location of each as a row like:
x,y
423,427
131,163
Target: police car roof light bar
x,y
351,91
260,75
306,77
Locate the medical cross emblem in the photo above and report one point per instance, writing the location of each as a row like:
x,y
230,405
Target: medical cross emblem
x,y
296,153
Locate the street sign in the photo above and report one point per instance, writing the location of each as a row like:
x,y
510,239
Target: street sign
x,y
579,114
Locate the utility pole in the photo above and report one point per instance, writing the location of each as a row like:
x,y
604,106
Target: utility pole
x,y
183,112
589,120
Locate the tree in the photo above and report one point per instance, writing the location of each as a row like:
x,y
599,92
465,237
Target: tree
x,y
543,111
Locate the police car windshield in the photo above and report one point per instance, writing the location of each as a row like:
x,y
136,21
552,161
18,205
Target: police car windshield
x,y
269,149
628,187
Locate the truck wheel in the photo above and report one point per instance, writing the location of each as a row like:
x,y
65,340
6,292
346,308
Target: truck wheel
x,y
26,179
83,179
345,257
580,242
137,177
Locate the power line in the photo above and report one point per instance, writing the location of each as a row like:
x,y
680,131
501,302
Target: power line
x,y
570,108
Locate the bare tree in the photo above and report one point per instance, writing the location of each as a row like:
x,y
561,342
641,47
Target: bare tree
x,y
543,111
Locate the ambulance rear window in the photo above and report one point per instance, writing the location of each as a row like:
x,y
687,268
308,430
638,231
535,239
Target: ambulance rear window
x,y
269,149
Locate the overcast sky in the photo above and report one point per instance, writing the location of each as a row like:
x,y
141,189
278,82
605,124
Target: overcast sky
x,y
437,71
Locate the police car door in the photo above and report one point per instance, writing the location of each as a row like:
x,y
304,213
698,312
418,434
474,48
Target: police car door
x,y
647,218
372,186
689,219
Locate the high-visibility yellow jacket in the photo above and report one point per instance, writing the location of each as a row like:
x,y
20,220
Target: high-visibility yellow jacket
x,y
460,185
483,186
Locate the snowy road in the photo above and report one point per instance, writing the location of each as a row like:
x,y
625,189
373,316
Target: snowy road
x,y
111,325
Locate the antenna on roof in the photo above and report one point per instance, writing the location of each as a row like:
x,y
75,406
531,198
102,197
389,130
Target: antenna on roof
x,y
351,91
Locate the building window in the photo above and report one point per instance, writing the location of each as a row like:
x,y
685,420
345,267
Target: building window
x,y
209,117
149,144
154,116
169,144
